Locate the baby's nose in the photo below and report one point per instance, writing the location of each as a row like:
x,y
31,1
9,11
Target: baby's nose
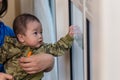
x,y
40,35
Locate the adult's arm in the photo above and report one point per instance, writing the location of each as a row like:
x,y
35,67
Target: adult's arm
x,y
36,63
5,31
4,76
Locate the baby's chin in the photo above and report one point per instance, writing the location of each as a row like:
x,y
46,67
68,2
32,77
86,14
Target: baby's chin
x,y
38,45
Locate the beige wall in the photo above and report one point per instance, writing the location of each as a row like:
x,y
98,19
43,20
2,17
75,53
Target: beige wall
x,y
27,6
8,18
15,7
105,23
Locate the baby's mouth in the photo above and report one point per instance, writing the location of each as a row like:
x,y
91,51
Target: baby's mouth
x,y
41,42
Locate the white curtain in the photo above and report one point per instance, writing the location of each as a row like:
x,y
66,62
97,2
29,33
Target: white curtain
x,y
78,4
43,12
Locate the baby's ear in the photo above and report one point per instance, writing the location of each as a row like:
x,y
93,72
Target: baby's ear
x,y
20,38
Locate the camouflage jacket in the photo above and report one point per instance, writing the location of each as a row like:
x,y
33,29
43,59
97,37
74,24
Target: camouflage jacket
x,y
12,50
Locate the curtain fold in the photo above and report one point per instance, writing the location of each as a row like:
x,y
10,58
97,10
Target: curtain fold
x,y
78,4
43,11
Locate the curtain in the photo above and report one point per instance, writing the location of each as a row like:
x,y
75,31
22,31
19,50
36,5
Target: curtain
x,y
78,4
43,11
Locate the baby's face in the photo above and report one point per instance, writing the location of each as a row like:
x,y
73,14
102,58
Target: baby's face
x,y
33,35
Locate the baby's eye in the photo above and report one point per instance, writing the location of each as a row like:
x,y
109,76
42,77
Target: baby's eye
x,y
35,33
40,32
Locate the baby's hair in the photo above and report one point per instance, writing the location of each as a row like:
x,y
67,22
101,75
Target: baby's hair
x,y
21,21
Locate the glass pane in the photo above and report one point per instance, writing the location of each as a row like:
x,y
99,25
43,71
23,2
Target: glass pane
x,y
77,49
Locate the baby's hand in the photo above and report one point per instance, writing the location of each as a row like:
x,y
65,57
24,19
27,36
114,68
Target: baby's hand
x,y
74,31
71,31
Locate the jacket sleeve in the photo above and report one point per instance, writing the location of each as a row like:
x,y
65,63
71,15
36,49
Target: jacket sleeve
x,y
60,47
9,31
5,31
3,54
8,50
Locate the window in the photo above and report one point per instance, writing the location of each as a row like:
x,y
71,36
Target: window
x,y
77,55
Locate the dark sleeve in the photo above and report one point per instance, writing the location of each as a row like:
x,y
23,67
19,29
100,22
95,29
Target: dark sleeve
x,y
9,31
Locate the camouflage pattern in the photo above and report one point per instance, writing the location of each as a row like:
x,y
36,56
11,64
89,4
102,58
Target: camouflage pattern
x,y
12,50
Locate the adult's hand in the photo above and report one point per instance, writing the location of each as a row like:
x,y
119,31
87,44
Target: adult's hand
x,y
4,76
37,63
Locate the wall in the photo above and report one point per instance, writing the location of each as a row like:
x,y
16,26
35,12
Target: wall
x,y
106,39
9,17
15,7
27,6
